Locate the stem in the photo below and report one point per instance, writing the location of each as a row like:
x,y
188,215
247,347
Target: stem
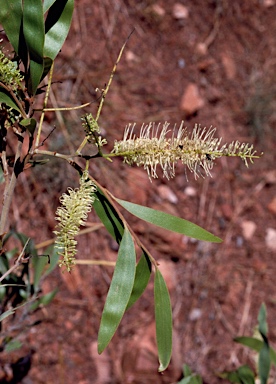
x,y
17,262
53,154
44,106
8,195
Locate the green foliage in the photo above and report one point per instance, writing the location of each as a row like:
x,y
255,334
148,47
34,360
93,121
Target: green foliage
x,y
163,319
189,376
21,291
37,31
169,222
119,291
266,355
40,38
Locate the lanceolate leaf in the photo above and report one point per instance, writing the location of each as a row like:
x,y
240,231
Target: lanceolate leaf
x,y
243,375
170,222
39,263
108,215
7,99
34,34
57,26
256,345
119,291
163,320
114,225
47,4
264,356
11,19
142,276
33,28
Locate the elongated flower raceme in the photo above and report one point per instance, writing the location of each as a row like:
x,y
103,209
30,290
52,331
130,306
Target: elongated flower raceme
x,y
197,151
73,212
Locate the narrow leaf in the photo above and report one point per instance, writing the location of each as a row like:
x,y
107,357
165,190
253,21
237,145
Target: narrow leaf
x,y
39,263
256,345
108,215
57,26
7,99
11,19
13,345
119,291
47,63
263,327
44,300
243,375
167,221
34,34
264,356
163,320
6,314
47,4
142,276
29,124
114,225
54,259
33,28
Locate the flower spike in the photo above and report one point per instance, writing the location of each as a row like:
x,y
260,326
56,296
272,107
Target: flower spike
x,y
71,215
197,151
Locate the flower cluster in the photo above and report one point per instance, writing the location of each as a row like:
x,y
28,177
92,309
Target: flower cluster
x,y
71,215
197,151
9,74
92,130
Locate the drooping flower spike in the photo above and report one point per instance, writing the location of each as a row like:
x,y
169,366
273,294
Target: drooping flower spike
x,y
197,151
73,212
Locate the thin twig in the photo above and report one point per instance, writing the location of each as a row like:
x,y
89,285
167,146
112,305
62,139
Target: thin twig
x,y
44,106
18,262
105,90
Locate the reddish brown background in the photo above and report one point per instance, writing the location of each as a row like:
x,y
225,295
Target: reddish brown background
x,y
227,50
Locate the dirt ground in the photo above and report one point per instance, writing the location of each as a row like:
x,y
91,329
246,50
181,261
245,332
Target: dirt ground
x,y
208,62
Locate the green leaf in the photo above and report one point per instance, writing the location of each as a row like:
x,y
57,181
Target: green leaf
x,y
119,291
11,19
108,215
29,124
142,276
114,225
193,379
7,99
189,376
33,28
167,221
34,34
13,345
54,258
6,314
256,345
47,63
163,320
243,375
264,356
263,327
36,73
57,26
44,300
39,263
47,4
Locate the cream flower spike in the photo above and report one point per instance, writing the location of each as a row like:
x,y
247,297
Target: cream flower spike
x,y
73,212
197,151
